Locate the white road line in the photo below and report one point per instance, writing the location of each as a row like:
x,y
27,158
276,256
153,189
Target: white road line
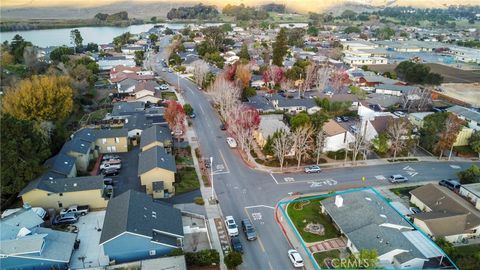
x,y
455,167
274,178
217,173
224,162
260,205
201,109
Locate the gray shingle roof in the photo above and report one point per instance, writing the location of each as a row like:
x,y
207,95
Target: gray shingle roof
x,y
155,133
260,103
137,213
137,121
371,224
127,108
155,157
111,133
398,88
468,114
85,134
63,164
59,185
76,145
284,102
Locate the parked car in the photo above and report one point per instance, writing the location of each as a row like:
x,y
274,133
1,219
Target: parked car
x,y
207,163
223,127
231,142
108,181
164,69
249,230
312,169
231,225
108,191
110,172
397,178
110,156
295,258
68,218
354,129
345,118
104,166
399,114
450,184
164,87
236,244
192,115
414,210
112,161
76,209
170,70
338,119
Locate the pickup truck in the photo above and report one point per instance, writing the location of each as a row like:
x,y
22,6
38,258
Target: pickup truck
x,y
108,166
76,209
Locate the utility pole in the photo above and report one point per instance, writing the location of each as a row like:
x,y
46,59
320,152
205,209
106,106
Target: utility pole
x,y
211,173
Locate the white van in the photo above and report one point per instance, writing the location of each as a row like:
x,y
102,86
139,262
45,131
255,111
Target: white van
x,y
231,142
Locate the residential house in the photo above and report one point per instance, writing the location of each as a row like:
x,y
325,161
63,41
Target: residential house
x,y
156,135
82,148
370,223
364,60
269,124
445,213
26,245
294,105
120,70
471,116
122,110
112,140
336,136
107,63
417,118
261,104
146,92
54,191
394,90
131,49
136,124
127,86
64,165
471,192
157,165
138,228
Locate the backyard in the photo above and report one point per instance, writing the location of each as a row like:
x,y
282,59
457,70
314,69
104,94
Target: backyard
x,y
169,96
303,212
403,191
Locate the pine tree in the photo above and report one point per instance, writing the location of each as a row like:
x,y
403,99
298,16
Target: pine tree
x,y
280,48
244,52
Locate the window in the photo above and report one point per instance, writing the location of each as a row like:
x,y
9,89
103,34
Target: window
x,y
152,252
117,140
60,194
60,205
104,141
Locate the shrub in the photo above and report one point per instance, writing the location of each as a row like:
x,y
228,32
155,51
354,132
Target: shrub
x,y
203,258
199,201
233,259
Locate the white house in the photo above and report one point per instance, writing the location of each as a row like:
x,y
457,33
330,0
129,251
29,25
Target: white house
x,y
365,60
337,137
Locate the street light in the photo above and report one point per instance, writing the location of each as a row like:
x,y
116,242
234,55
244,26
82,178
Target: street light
x,y
211,173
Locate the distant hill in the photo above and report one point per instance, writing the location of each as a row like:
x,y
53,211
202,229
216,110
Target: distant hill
x,y
81,9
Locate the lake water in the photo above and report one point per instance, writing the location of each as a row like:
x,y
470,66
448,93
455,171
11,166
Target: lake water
x,y
99,35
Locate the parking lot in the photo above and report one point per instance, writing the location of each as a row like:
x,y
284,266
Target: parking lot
x,y
128,178
89,253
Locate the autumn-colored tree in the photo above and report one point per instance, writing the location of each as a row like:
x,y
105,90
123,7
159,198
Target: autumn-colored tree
x,y
449,134
243,75
7,59
242,122
274,74
175,117
338,80
230,71
40,98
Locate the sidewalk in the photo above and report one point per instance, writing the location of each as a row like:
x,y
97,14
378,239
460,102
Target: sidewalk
x,y
213,211
359,163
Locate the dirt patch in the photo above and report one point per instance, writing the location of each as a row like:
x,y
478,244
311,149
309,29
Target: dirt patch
x,y
450,74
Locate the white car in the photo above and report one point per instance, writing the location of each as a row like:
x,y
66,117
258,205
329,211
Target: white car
x,y
231,142
399,114
295,258
108,166
231,225
164,87
312,169
397,178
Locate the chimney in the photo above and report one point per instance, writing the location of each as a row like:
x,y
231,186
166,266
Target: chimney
x,y
338,201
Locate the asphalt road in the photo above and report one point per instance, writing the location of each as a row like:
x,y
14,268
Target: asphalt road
x,y
244,192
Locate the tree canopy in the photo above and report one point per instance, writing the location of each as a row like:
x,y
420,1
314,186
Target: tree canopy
x,y
280,48
417,73
200,11
40,98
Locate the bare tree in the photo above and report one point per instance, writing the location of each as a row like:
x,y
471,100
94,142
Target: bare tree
x,y
419,99
282,144
200,71
242,122
321,80
359,144
302,141
225,94
320,144
310,77
398,130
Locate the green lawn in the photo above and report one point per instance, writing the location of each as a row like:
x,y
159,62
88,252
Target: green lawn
x,y
466,257
98,115
184,160
169,96
311,213
186,180
320,256
403,191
